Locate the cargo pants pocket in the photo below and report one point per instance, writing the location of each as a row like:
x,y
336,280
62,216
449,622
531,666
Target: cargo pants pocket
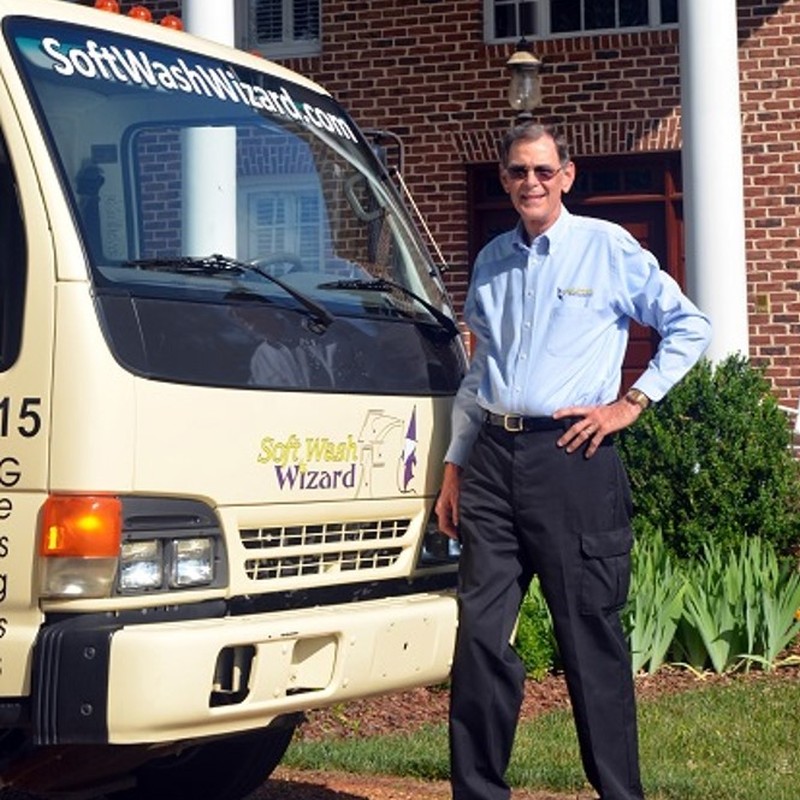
x,y
605,570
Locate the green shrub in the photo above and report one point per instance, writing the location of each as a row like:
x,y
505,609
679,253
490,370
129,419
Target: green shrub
x,y
535,642
712,462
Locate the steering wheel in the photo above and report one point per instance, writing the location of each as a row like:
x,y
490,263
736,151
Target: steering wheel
x,y
279,264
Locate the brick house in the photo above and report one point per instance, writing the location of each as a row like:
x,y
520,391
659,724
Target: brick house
x,y
434,73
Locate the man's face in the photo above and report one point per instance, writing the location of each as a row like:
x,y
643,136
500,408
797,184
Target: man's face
x,y
537,198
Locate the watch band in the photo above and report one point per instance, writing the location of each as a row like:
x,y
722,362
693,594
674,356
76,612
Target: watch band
x,y
638,397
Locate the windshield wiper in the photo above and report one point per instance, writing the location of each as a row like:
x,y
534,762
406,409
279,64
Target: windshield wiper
x,y
384,285
217,264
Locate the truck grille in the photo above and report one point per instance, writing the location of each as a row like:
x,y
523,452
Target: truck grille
x,y
321,549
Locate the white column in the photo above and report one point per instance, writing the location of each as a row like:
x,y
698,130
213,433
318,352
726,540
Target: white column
x,y
713,195
210,19
209,157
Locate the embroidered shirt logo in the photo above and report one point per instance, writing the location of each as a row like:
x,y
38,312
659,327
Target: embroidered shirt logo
x,y
574,291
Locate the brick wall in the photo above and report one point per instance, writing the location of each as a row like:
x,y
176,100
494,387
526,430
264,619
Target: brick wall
x,y
770,83
420,69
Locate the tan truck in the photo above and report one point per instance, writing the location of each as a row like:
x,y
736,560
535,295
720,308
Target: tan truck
x,y
226,367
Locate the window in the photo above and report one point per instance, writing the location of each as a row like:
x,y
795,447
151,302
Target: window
x,y
13,259
212,226
511,19
285,220
282,28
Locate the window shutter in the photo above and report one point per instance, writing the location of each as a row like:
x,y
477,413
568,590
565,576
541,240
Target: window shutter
x,y
306,20
269,21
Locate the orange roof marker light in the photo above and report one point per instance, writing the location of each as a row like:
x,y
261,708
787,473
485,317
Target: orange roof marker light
x,y
171,21
107,5
140,12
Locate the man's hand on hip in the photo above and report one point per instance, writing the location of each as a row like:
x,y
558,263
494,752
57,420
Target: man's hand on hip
x,y
595,423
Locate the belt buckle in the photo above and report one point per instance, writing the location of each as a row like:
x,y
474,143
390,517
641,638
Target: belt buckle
x,y
513,423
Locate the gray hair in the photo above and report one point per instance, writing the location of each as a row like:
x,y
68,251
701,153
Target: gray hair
x,y
531,131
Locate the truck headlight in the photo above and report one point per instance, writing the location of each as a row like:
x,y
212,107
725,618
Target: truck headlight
x,y
170,545
162,564
141,566
97,546
192,562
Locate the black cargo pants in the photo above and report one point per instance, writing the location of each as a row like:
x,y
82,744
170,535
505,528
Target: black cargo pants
x,y
527,507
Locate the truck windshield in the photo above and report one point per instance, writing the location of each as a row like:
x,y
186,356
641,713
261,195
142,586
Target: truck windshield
x,y
238,229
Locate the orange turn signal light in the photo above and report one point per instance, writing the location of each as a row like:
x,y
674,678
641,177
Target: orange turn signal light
x,y
81,526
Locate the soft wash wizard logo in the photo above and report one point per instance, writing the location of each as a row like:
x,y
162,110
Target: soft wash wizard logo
x,y
358,462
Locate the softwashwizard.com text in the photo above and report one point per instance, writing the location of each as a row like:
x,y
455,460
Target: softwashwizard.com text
x,y
111,63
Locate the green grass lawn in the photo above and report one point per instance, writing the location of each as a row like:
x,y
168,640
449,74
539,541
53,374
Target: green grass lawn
x,y
739,741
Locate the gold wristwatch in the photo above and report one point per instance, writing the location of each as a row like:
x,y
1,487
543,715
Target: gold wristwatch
x,y
638,397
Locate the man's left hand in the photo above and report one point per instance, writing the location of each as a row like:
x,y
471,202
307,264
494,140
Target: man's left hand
x,y
595,423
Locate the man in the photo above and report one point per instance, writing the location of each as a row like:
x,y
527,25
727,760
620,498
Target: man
x,y
533,484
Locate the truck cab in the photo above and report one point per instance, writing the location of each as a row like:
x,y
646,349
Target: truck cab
x,y
227,363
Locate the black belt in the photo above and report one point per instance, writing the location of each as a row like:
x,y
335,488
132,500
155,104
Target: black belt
x,y
515,423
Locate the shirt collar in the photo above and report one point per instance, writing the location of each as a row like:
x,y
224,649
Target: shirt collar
x,y
551,239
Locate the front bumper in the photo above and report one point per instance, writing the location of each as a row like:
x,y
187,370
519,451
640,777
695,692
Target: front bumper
x,y
100,680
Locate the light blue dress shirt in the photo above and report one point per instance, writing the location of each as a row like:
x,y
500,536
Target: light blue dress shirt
x,y
550,323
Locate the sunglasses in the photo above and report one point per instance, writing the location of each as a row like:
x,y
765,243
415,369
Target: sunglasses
x,y
518,172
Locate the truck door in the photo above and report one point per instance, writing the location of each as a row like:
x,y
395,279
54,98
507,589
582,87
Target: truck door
x,y
26,349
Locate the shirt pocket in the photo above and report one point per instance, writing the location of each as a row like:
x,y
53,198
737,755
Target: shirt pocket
x,y
572,330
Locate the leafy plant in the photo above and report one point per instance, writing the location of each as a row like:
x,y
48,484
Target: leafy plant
x,y
655,604
776,610
741,605
716,607
535,641
727,609
712,462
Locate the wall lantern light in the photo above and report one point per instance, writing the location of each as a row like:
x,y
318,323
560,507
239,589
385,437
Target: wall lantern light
x,y
525,90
